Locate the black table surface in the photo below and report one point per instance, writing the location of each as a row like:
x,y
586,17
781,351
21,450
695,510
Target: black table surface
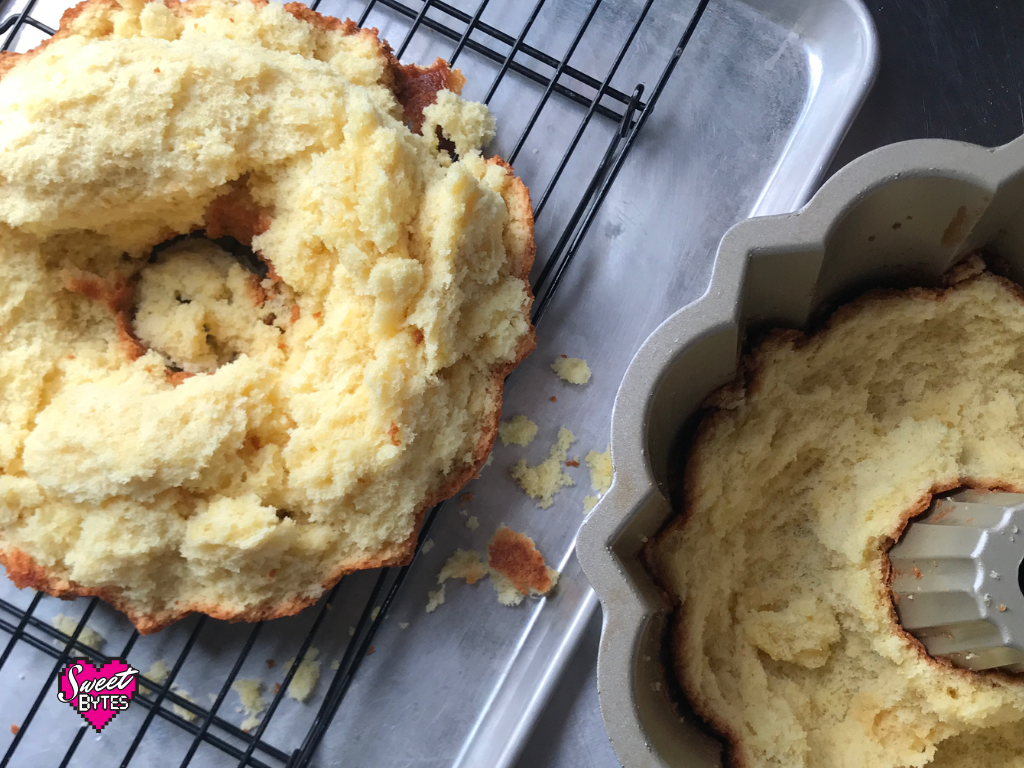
x,y
950,69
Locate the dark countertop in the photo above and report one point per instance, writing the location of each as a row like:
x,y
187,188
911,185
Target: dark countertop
x,y
950,69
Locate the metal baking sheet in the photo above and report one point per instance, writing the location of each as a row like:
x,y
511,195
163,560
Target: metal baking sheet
x,y
748,123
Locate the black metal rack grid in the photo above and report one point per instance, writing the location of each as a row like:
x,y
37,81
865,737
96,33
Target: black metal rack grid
x,y
510,51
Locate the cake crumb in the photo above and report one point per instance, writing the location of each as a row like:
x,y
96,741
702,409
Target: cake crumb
x,y
179,710
600,470
519,430
490,458
306,676
370,650
572,369
351,631
250,694
517,568
375,613
466,498
543,481
427,546
403,625
472,523
572,463
464,564
270,663
158,673
88,636
15,729
434,599
590,502
554,399
335,665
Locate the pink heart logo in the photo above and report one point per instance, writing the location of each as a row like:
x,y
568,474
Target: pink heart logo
x,y
97,694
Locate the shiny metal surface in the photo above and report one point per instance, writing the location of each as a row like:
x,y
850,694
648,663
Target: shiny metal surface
x,y
750,119
777,269
956,580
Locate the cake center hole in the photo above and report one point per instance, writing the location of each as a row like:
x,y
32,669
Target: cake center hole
x,y
201,303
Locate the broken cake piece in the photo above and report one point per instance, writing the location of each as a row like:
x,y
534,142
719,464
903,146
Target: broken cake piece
x,y
517,568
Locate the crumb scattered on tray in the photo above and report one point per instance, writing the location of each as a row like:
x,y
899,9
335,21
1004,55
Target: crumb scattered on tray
x,y
490,458
351,631
465,498
435,598
572,369
375,613
589,502
179,710
335,665
464,564
250,694
158,673
403,625
547,478
572,463
15,729
517,568
270,663
306,676
600,470
427,546
88,637
519,430
472,523
554,399
370,650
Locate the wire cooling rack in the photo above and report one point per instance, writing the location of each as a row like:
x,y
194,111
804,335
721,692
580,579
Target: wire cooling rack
x,y
447,30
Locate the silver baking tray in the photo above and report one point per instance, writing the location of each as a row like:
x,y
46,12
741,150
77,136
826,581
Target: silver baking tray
x,y
901,215
747,125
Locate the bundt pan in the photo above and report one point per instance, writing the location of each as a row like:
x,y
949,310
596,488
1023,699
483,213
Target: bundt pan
x,y
899,216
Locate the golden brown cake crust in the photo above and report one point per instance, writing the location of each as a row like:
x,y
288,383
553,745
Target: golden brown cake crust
x,y
238,216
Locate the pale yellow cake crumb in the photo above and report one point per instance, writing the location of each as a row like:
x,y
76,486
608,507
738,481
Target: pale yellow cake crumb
x,y
403,625
335,665
472,523
88,636
590,502
600,465
306,676
180,710
519,430
572,369
464,564
375,613
435,598
543,481
507,592
427,546
158,673
249,692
